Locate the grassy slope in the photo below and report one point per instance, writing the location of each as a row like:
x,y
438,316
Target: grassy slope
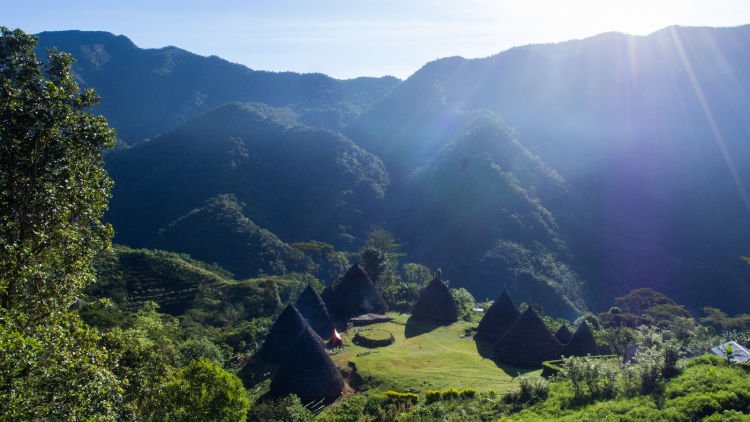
x,y
437,359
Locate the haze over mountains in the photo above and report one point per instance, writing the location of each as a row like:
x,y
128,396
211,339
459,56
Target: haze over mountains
x,y
568,172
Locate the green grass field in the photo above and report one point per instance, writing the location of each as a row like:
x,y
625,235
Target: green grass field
x,y
433,359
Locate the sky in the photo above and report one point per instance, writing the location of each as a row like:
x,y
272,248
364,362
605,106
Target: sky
x,y
350,38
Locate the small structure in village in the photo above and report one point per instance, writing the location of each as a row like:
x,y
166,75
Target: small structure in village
x,y
284,334
497,320
309,372
563,335
436,304
369,319
740,354
528,343
582,343
356,294
315,312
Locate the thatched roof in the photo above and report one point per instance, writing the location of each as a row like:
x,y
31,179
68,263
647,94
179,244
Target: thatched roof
x,y
497,320
436,303
563,335
314,310
528,343
308,372
285,332
356,294
582,343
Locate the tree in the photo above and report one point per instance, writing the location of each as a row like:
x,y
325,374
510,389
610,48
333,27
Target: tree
x,y
379,258
53,186
204,391
465,303
53,191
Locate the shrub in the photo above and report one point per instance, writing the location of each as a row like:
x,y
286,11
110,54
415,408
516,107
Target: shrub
x,y
592,379
385,408
349,410
728,416
203,390
432,396
449,394
703,390
397,397
467,393
529,391
287,409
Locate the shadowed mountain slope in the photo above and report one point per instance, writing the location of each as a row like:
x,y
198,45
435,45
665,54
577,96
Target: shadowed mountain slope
x,y
298,182
147,92
648,132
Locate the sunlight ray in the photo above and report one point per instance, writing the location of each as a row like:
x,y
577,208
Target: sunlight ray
x,y
718,138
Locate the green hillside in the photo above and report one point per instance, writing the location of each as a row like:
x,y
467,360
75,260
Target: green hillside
x,y
298,182
219,232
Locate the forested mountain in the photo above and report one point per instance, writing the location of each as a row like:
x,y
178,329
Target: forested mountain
x,y
147,92
649,133
569,172
300,183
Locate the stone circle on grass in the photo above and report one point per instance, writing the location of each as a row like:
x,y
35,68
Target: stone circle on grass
x,y
372,338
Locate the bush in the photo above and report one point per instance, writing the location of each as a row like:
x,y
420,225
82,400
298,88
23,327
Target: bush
x,y
204,391
397,397
592,379
529,391
432,396
350,410
384,408
449,394
703,390
728,416
287,409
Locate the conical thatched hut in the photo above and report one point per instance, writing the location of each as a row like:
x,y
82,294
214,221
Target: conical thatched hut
x,y
356,294
563,335
582,343
314,310
436,304
528,343
285,332
308,372
497,320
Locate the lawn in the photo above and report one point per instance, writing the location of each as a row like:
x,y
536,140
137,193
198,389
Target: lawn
x,y
431,358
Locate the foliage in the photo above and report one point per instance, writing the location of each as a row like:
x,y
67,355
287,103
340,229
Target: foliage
x,y
328,263
53,191
399,397
218,231
414,273
432,396
379,258
350,410
638,301
286,409
203,390
591,379
715,317
56,370
703,390
53,187
465,303
529,391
